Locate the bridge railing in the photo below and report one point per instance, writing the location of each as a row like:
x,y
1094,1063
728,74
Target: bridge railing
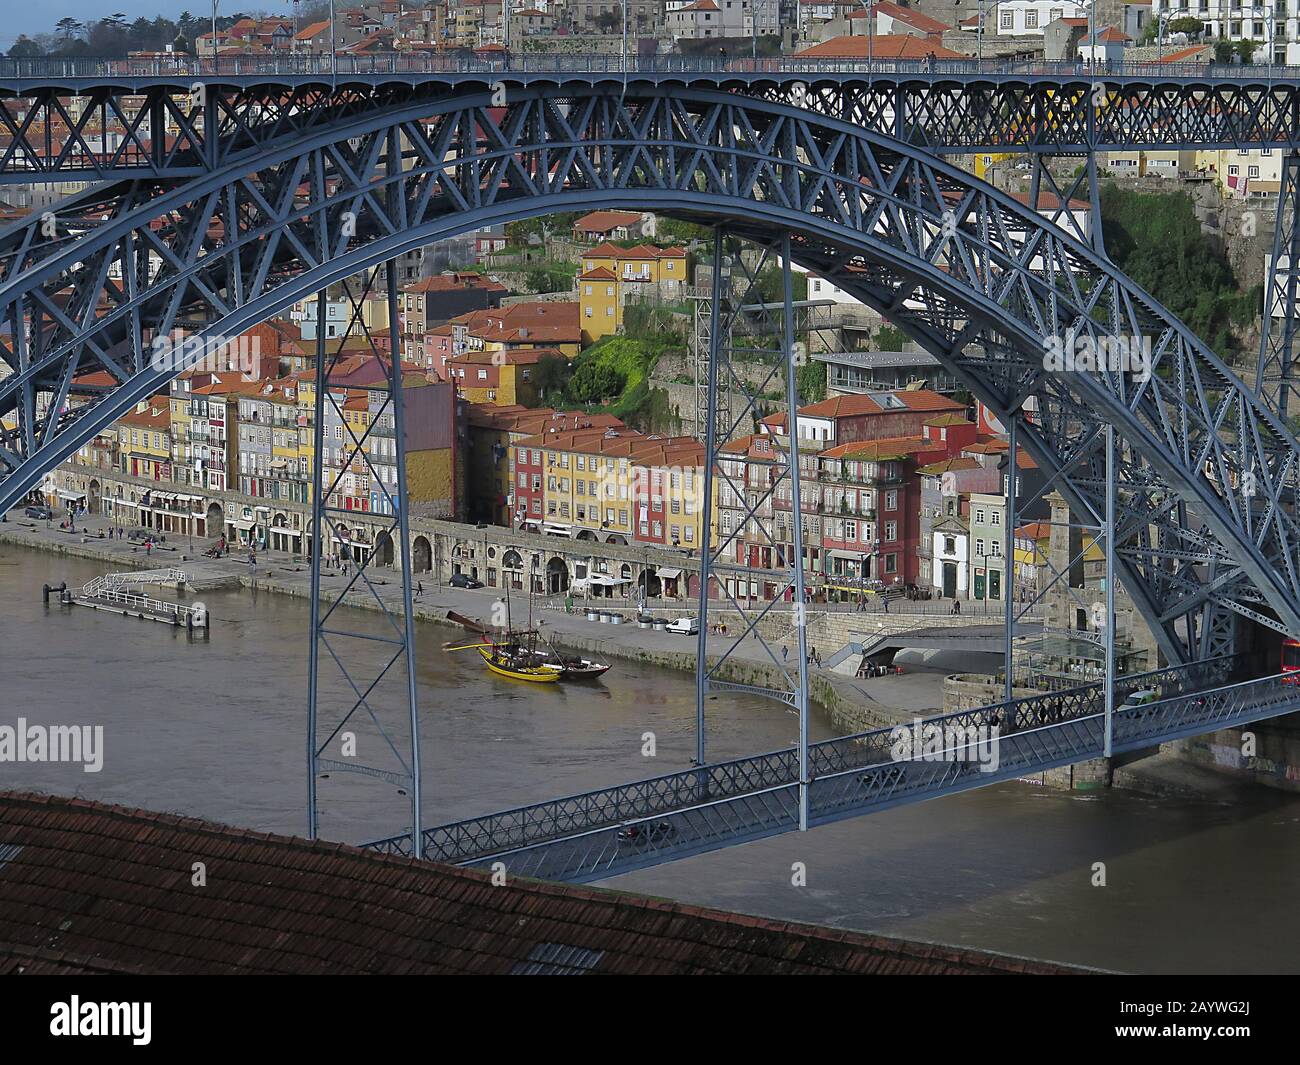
x,y
1060,743
509,830
403,63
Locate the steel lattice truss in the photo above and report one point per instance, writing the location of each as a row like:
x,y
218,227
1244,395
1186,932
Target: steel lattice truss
x,y
102,130
985,284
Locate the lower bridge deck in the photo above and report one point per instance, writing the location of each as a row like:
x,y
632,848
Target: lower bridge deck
x,y
610,831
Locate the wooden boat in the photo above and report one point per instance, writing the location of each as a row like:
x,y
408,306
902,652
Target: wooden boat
x,y
573,668
515,667
515,653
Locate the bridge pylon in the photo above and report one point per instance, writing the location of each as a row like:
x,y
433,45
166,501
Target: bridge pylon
x,y
752,483
362,717
1277,377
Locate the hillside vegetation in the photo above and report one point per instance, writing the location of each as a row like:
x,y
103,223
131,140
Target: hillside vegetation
x,y
1156,240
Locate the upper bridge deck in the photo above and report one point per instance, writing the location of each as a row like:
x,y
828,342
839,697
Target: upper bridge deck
x,y
22,76
69,119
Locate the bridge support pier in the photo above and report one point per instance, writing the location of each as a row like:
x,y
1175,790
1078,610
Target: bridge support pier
x,y
748,477
368,724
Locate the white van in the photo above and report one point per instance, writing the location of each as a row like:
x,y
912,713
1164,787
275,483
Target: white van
x,y
686,626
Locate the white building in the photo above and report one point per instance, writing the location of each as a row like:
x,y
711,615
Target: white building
x,y
1242,20
950,550
1027,18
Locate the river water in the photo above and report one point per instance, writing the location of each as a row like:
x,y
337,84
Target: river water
x,y
216,729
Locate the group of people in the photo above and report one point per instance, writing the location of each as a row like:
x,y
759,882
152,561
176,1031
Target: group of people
x,y
814,658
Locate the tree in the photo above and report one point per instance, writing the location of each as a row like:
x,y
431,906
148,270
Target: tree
x,y
1246,49
1193,27
1222,51
68,26
541,280
25,48
594,382
552,375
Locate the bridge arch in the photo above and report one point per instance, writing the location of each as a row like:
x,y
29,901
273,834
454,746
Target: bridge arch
x,y
981,282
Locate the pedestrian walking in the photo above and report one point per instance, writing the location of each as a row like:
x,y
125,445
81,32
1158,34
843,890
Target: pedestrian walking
x,y
785,652
419,589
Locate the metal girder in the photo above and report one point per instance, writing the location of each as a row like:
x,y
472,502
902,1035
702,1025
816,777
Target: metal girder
x,y
982,282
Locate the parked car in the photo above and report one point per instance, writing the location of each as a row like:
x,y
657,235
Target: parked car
x,y
460,580
686,626
41,513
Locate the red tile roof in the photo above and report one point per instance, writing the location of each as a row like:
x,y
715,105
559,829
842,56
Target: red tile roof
x,y
606,221
97,888
917,19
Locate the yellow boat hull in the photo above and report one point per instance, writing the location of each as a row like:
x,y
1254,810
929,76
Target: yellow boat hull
x,y
533,675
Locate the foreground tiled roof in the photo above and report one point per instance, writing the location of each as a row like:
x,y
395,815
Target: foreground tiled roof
x,y
86,887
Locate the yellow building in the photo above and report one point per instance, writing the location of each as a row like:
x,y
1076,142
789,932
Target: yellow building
x,y
985,162
183,471
521,325
1032,544
600,303
144,440
643,264
503,378
306,421
614,485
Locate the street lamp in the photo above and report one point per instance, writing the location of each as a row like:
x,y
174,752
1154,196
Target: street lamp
x,y
871,36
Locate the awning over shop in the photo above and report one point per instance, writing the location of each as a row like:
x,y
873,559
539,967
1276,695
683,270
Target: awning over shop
x,y
243,524
63,493
608,582
668,573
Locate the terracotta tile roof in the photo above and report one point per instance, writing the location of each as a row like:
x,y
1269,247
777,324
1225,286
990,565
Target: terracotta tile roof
x,y
1184,54
601,273
605,221
514,357
1049,201
1035,530
639,251
959,462
157,415
865,403
308,32
455,283
97,888
893,447
917,19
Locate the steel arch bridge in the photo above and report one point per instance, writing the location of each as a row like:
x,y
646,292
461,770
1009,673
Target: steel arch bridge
x,y
982,282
